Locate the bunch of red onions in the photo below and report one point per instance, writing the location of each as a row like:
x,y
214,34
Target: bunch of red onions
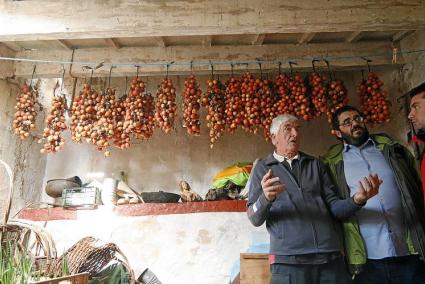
x,y
55,125
83,115
214,101
192,95
25,114
165,106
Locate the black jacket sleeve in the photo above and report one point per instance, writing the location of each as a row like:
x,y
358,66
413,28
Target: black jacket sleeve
x,y
340,208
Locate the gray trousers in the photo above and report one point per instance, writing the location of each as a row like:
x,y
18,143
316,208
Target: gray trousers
x,y
334,272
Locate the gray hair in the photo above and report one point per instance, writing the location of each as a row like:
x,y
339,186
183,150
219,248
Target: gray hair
x,y
279,120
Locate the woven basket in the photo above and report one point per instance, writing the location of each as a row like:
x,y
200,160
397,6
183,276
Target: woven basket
x,y
23,237
90,255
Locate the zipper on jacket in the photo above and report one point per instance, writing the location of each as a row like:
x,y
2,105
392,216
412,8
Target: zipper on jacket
x,y
313,227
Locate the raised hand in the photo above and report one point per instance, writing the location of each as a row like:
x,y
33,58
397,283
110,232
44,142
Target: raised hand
x,y
368,188
271,186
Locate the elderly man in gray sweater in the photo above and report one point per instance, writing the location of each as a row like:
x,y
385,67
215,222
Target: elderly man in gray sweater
x,y
293,193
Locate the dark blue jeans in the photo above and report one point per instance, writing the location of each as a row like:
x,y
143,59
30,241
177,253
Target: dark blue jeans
x,y
334,272
392,270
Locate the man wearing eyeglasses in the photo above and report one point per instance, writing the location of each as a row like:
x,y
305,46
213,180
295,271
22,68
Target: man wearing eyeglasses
x,y
384,240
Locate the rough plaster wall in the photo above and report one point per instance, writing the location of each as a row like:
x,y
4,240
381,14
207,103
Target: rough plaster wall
x,y
191,248
414,70
159,164
23,156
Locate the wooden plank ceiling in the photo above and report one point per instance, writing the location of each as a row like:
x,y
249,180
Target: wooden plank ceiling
x,y
130,31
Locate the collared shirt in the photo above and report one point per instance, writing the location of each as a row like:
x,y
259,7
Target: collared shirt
x,y
281,158
381,221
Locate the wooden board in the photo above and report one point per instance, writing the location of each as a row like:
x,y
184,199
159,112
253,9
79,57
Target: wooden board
x,y
255,268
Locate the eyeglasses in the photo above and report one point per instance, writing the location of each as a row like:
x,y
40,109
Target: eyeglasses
x,y
349,121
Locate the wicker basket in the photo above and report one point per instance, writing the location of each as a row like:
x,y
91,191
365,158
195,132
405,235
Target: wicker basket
x,y
90,255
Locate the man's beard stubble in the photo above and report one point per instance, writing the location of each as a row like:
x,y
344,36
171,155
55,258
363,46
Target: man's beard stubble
x,y
355,141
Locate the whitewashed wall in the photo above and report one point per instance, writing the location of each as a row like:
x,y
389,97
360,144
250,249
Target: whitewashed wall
x,y
197,248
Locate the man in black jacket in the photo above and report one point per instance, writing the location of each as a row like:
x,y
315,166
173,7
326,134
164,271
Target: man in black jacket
x,y
293,193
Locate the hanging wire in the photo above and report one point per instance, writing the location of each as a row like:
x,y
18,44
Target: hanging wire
x,y
280,67
367,62
168,67
212,70
261,70
137,71
110,73
32,76
91,77
231,69
191,67
126,85
62,80
331,75
291,63
363,75
199,63
313,64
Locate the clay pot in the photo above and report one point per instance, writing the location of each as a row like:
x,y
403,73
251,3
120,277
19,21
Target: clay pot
x,y
54,187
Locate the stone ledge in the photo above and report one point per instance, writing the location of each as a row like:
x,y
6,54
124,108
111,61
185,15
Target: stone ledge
x,y
59,213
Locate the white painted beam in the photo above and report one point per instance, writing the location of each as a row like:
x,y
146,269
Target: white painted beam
x,y
25,20
306,38
354,36
182,55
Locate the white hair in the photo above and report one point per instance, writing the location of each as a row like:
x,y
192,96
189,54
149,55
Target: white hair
x,y
279,120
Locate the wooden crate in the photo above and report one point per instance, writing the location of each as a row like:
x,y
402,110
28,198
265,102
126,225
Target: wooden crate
x,y
255,268
81,278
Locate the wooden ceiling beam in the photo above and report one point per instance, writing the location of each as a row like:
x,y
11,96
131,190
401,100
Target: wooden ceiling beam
x,y
112,42
354,36
306,38
401,35
65,44
79,19
160,41
185,54
258,39
12,46
207,41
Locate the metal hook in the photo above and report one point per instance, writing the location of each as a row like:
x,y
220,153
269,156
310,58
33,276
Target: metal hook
x,y
261,71
290,66
168,66
367,62
137,71
280,67
314,66
110,72
329,68
212,70
91,76
126,85
33,73
191,67
63,78
231,68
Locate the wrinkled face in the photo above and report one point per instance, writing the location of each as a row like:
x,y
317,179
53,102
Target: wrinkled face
x,y
417,111
352,128
287,139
